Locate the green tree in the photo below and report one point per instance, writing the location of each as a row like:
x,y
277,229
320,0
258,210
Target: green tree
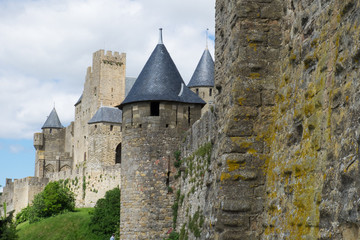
x,y
7,226
105,219
54,199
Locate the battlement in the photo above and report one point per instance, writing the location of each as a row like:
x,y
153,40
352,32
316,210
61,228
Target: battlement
x,y
32,181
109,56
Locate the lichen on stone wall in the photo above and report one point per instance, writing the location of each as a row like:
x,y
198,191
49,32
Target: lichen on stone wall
x,y
314,126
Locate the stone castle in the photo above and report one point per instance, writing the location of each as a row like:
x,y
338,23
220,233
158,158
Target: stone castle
x,y
275,156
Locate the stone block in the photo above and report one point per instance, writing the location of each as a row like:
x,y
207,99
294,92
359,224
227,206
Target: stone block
x,y
240,205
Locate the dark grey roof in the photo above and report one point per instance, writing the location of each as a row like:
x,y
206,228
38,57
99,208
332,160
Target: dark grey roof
x,y
204,72
108,115
79,101
129,82
52,121
160,80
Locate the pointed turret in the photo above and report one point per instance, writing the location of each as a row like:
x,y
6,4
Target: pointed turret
x,y
160,80
52,121
204,72
202,81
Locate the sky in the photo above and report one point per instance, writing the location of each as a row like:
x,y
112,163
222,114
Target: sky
x,y
47,45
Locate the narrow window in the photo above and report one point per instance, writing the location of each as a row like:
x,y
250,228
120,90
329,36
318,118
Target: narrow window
x,y
118,154
132,115
189,116
197,91
111,127
210,92
154,109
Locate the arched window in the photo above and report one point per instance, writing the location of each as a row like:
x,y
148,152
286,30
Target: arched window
x,y
118,154
49,168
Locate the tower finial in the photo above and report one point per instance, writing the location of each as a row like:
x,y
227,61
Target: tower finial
x,y
160,36
207,36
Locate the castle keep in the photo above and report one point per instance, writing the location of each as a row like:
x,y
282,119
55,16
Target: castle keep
x,y
274,154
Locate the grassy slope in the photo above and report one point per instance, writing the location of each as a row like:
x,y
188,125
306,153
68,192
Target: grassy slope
x,y
68,226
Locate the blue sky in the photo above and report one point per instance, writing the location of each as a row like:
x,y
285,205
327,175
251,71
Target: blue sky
x,y
47,45
17,159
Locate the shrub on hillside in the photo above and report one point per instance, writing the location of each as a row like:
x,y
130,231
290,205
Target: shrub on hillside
x,y
7,226
54,199
23,215
105,218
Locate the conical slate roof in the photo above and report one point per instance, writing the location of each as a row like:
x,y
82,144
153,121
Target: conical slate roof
x,y
160,80
204,72
108,115
52,121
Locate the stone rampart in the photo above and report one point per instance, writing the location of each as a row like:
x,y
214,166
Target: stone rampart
x,y
19,193
194,194
89,184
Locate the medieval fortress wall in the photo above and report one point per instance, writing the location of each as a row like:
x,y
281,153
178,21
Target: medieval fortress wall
x,y
275,157
81,155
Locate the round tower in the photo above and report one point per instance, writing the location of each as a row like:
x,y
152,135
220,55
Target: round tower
x,y
157,110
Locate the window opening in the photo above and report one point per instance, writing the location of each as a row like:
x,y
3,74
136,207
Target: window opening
x,y
210,92
154,109
189,116
197,91
168,176
118,154
111,127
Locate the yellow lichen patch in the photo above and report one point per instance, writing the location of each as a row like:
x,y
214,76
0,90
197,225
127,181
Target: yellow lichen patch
x,y
240,142
251,151
254,75
224,176
253,46
232,165
309,109
292,57
240,100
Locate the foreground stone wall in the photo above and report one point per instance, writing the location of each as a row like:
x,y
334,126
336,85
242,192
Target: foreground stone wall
x,y
247,50
313,173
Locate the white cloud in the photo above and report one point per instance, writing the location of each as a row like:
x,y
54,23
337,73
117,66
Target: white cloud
x,y
47,45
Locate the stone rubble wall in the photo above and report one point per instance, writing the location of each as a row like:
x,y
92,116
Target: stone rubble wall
x,y
248,41
194,192
313,186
